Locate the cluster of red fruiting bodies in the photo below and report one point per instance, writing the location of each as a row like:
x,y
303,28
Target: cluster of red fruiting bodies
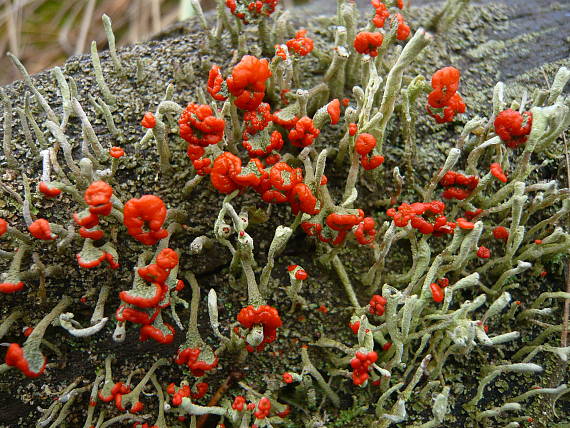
x,y
361,365
458,186
142,305
264,315
251,10
261,409
337,226
367,42
116,395
513,127
178,393
264,135
444,96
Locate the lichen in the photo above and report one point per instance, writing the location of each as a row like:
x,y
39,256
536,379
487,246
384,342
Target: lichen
x,y
470,358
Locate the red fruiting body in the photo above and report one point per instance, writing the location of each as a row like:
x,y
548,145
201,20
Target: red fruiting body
x,y
195,152
352,129
201,390
263,408
284,413
3,226
407,213
202,166
470,215
443,282
40,229
304,133
11,287
368,43
457,185
265,315
287,378
323,309
301,44
455,105
184,391
135,316
48,190
258,119
365,231
199,126
302,199
118,389
247,82
497,172
251,174
156,334
403,31
501,232
364,144
283,177
464,224
226,167
513,127
190,357
445,83
333,109
216,84
88,264
251,10
98,197
483,252
376,305
153,273
381,13
91,234
371,162
148,212
344,222
456,193
437,293
285,123
360,365
261,145
86,219
301,275
167,259
280,52
148,120
15,358
355,327
311,229
238,403
147,300
116,152
274,197
137,407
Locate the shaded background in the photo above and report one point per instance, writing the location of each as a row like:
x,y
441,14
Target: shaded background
x,y
43,33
